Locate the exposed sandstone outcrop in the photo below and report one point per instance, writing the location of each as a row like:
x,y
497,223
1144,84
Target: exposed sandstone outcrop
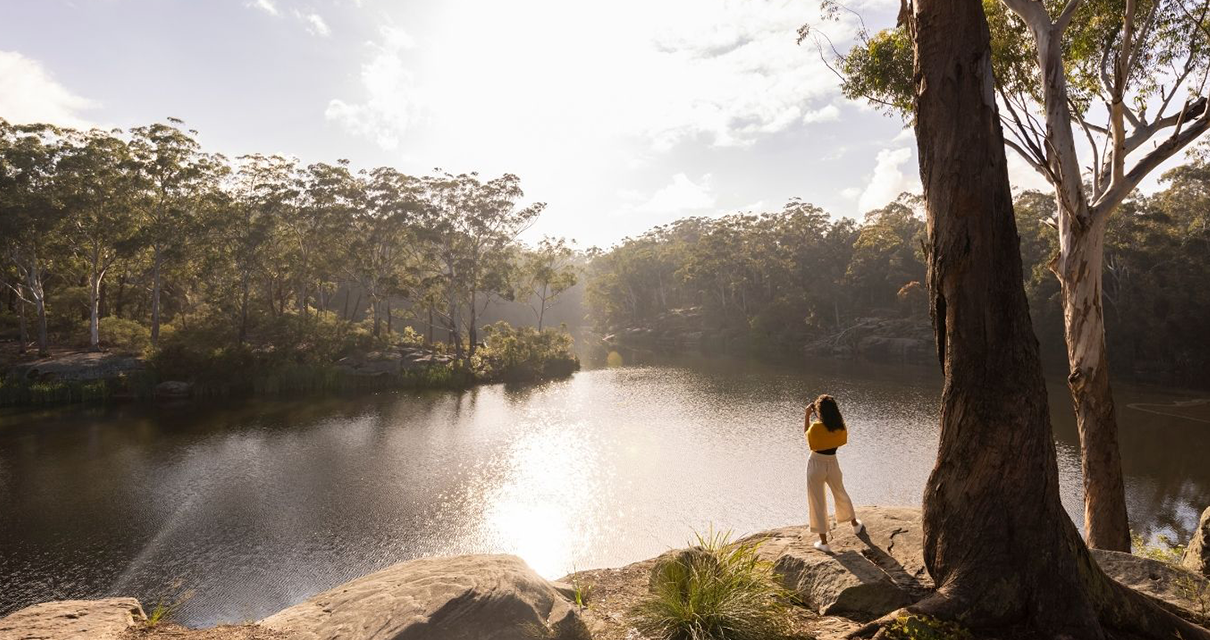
x,y
489,597
1197,553
73,620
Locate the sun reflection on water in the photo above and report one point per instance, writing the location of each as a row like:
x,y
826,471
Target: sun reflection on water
x,y
540,510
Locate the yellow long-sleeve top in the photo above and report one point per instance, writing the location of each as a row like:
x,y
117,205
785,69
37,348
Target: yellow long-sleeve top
x,y
820,439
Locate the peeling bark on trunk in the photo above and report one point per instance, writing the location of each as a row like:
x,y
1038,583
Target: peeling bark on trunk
x,y
997,541
1079,270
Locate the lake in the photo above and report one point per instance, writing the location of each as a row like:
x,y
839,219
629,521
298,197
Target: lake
x,y
255,505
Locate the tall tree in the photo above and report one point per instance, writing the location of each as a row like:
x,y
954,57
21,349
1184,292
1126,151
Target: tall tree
x,y
179,175
998,542
546,272
100,187
31,211
1099,67
473,223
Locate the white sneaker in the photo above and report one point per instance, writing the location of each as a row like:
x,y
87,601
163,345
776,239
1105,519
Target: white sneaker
x,y
858,528
822,546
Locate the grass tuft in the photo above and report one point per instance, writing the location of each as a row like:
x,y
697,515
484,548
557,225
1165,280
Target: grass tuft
x,y
716,590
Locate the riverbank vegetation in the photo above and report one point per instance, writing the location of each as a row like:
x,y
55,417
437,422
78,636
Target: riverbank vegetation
x,y
772,283
261,272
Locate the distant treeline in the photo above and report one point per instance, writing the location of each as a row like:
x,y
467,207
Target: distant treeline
x,y
143,241
786,278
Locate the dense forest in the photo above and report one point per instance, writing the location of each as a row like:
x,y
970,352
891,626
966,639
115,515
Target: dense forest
x,y
775,282
145,243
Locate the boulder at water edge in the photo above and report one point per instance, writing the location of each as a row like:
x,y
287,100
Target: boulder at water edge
x,y
488,597
1197,554
73,620
865,576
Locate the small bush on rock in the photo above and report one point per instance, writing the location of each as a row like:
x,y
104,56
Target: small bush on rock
x,y
918,627
517,354
717,590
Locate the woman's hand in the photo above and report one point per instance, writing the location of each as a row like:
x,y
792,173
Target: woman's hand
x,y
806,424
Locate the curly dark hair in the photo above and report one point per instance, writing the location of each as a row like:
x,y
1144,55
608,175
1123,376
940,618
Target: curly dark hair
x,y
829,413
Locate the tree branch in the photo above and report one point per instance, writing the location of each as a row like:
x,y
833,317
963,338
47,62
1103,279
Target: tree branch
x,y
1068,12
1118,191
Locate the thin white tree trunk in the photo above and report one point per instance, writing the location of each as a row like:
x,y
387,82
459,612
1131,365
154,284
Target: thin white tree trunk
x,y
157,265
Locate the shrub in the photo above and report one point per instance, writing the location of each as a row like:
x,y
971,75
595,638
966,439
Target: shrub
x,y
1165,550
918,627
121,334
517,354
718,590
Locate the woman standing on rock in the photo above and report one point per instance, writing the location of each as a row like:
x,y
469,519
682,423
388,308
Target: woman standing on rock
x,y
825,436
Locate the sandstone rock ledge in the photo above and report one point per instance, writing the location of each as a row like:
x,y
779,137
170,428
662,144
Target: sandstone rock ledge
x,y
106,619
492,597
498,597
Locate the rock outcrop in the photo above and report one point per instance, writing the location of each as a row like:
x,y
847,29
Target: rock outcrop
x,y
492,597
1185,593
76,367
907,340
883,569
392,361
865,576
1197,553
73,620
173,390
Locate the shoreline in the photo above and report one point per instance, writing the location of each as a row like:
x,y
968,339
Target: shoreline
x,y
865,577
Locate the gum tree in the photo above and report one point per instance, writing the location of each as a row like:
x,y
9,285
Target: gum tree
x,y
179,176
997,541
1125,77
31,211
546,272
101,186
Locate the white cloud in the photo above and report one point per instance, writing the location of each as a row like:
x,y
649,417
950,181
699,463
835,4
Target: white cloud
x,y
391,94
850,193
829,113
682,194
905,136
265,5
315,24
725,72
888,180
30,95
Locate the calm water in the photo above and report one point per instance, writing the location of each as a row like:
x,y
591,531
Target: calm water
x,y
257,506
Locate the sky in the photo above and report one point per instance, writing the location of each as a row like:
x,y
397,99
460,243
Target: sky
x,y
620,115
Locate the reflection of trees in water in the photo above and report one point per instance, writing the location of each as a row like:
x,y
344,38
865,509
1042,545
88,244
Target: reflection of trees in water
x,y
1165,460
1167,505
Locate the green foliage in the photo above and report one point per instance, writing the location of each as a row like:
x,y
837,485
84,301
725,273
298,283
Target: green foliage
x,y
920,627
120,335
257,273
166,606
880,70
1164,549
518,354
772,281
717,590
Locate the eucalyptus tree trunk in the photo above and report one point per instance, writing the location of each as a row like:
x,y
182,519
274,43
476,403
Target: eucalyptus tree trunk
x,y
471,332
24,328
94,311
156,267
997,541
1078,268
33,281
